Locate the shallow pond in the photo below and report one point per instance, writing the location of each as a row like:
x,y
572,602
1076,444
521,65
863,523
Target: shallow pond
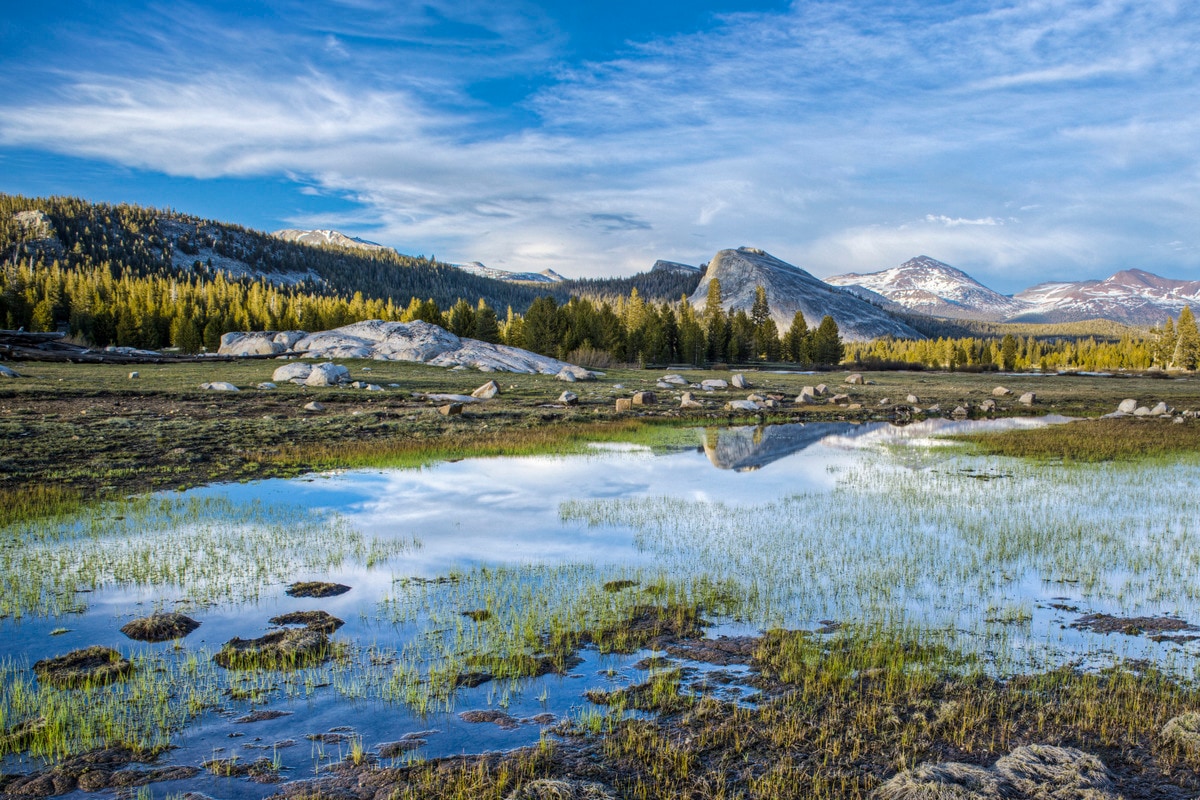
x,y
799,526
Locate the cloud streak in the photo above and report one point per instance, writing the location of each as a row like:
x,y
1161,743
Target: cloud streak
x,y
820,133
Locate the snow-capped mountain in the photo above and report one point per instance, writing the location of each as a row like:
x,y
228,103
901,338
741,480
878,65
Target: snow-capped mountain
x,y
476,268
791,289
319,237
927,286
1132,296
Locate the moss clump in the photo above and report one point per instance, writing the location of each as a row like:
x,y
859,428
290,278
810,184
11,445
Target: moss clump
x,y
285,649
91,666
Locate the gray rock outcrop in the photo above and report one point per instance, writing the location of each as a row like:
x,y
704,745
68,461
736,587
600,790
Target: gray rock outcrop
x,y
327,374
487,391
296,372
220,386
5,372
1128,406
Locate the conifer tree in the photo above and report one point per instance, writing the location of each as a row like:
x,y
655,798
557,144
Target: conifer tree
x,y
1187,341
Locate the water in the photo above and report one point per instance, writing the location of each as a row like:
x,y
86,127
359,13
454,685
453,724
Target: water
x,y
784,526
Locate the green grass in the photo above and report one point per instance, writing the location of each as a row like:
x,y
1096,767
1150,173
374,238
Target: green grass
x,y
1093,440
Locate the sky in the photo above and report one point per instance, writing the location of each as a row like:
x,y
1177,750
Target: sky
x,y
1019,140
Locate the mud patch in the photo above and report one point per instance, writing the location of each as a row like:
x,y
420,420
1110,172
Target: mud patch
x,y
91,666
316,589
1133,626
319,621
160,627
285,649
493,716
262,715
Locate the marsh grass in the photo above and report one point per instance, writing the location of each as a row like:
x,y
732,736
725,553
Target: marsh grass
x,y
205,549
1093,440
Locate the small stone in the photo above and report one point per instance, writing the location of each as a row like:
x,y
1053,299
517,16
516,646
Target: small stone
x,y
840,398
739,382
885,401
450,409
267,386
1000,391
219,386
821,390
1128,406
566,375
328,374
1027,399
912,400
988,405
645,399
756,398
960,412
5,372
133,375
1161,409
1141,411
805,398
297,371
675,380
741,405
568,398
855,379
713,383
314,406
487,391
624,404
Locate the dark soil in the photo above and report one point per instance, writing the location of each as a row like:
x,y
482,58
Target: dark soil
x,y
320,621
92,772
1131,626
285,649
160,627
259,771
91,666
262,715
316,589
489,715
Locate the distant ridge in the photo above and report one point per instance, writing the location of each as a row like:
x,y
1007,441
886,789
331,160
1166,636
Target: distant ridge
x,y
320,237
928,286
791,289
476,268
1131,296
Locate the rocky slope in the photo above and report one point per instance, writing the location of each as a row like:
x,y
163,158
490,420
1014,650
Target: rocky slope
x,y
928,286
320,237
476,268
399,341
1132,296
791,289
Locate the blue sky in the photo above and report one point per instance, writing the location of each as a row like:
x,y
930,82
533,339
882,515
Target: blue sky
x,y
1021,141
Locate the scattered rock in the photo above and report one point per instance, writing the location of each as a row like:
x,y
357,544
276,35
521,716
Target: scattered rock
x,y
160,627
741,405
297,372
566,375
267,386
316,589
321,621
713,383
465,399
489,715
314,406
450,409
689,401
988,405
1160,409
912,400
5,372
92,666
1027,399
960,412
1127,406
1183,731
840,398
805,398
327,374
134,375
1000,391
219,386
1040,772
645,399
487,391
568,398
560,789
1141,411
291,648
261,715
821,389
675,380
624,404
739,381
886,401
854,379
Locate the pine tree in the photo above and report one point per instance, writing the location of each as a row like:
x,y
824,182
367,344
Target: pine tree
x,y
487,328
716,324
1187,341
1008,353
827,347
796,341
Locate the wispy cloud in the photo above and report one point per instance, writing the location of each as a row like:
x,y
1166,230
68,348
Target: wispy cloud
x,y
821,132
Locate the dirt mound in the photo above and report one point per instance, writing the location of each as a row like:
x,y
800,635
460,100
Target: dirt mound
x,y
160,627
316,589
292,648
320,621
1131,626
90,666
1036,772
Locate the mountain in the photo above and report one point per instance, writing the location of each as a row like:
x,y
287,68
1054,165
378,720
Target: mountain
x,y
791,289
320,237
1132,296
476,268
927,286
675,266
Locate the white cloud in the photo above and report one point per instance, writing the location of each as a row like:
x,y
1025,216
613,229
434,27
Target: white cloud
x,y
954,222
